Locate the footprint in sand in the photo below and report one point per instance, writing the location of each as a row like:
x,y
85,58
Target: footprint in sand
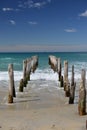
x,y
53,126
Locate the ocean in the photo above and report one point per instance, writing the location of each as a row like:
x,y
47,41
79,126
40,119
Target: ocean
x,y
43,72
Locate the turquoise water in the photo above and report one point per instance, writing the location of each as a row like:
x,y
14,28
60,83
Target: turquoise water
x,y
78,59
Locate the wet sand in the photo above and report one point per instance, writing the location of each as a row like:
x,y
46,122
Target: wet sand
x,y
39,109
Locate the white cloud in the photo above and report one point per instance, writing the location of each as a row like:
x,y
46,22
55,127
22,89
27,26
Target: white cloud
x,y
27,4
70,30
84,14
32,22
39,4
49,1
7,9
32,4
12,22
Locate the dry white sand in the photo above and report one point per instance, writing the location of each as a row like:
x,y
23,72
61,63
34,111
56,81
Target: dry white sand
x,y
39,110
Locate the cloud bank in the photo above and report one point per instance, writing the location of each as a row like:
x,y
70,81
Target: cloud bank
x,y
70,30
4,9
84,14
32,23
43,48
32,4
12,22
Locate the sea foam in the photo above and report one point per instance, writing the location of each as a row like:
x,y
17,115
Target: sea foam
x,y
45,74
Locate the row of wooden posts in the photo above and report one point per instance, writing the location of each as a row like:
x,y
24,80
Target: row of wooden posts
x,y
69,88
29,66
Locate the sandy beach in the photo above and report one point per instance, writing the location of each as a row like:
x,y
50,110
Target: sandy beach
x,y
42,109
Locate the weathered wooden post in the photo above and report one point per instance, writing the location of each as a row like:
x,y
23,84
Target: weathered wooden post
x,y
61,82
59,68
66,82
21,86
53,63
34,63
72,89
28,69
24,72
24,68
65,73
82,95
86,124
11,84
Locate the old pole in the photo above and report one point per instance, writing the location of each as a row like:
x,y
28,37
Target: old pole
x,y
66,82
72,89
59,68
86,124
82,95
24,68
24,72
11,84
21,86
28,69
61,81
65,73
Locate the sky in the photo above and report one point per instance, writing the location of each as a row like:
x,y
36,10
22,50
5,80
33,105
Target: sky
x,y
43,25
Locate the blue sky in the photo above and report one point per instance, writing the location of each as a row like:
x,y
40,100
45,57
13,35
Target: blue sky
x,y
43,25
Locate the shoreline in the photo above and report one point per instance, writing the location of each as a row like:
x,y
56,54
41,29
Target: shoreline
x,y
39,109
